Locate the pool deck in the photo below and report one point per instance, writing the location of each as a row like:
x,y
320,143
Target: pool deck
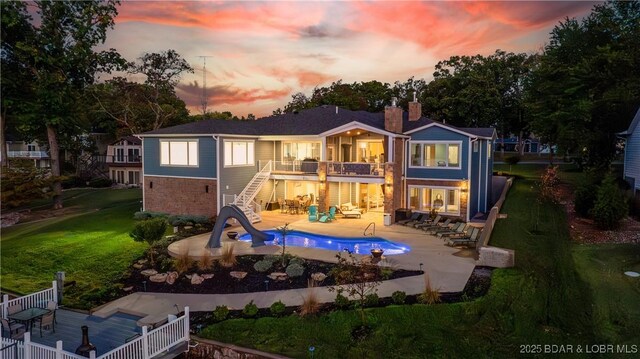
x,y
448,268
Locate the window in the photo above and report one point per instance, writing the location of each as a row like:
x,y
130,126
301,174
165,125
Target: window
x,y
31,148
238,153
435,154
488,149
300,150
442,200
179,153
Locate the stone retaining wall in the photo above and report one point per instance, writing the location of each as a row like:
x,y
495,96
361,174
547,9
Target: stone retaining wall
x,y
211,349
494,256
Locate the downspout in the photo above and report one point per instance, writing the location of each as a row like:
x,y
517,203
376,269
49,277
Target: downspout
x,y
217,139
469,165
142,160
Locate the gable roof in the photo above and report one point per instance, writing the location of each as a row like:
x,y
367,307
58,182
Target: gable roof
x,y
633,125
313,121
484,132
131,139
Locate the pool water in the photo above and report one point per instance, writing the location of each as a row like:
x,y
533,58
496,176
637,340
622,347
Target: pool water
x,y
358,245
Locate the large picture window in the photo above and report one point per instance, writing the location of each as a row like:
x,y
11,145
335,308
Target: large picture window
x,y
300,151
435,154
179,153
238,153
442,200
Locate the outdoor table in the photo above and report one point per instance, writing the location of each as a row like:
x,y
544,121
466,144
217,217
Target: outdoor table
x,y
28,316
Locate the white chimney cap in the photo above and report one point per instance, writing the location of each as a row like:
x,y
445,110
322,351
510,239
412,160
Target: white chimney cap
x,y
393,101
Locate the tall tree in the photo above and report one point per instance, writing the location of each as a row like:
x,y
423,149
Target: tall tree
x,y
587,85
60,56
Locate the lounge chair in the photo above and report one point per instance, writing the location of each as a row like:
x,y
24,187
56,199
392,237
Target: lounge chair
x,y
465,241
418,220
436,221
357,213
313,213
435,228
428,222
348,206
414,217
457,228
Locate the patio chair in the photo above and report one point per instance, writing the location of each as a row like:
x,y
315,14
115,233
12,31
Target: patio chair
x,y
465,241
414,217
418,220
313,213
451,227
436,227
47,321
458,230
281,204
13,309
13,330
328,216
425,221
429,222
53,306
350,213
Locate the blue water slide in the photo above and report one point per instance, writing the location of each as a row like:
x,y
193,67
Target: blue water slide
x,y
232,211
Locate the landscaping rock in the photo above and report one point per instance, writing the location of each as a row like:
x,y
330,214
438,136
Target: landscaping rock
x,y
148,272
318,276
158,278
207,276
278,276
171,277
196,279
137,266
143,261
128,289
238,275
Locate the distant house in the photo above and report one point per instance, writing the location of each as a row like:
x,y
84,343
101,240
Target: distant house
x,y
19,149
531,145
124,161
631,171
379,162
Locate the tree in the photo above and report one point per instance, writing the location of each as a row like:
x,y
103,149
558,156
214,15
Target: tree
x,y
610,206
150,231
587,84
23,182
59,56
284,230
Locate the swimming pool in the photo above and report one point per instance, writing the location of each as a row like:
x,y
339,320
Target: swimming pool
x,y
359,245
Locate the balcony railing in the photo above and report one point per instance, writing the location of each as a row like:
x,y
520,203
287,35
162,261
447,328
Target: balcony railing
x,y
355,169
295,166
28,154
123,159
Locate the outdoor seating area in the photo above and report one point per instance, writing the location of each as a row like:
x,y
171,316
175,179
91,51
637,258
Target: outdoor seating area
x,y
453,232
298,205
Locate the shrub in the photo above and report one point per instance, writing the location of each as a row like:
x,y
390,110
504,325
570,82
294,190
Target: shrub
x,y
262,266
610,206
250,310
271,258
277,308
341,301
206,261
430,295
149,231
187,220
148,215
228,257
584,198
295,270
371,300
399,297
183,262
386,273
73,182
296,260
220,313
512,160
100,183
310,303
165,264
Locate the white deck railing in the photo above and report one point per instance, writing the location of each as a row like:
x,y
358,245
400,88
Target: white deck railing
x,y
38,299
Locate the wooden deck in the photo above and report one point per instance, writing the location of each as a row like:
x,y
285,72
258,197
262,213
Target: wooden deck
x,y
105,334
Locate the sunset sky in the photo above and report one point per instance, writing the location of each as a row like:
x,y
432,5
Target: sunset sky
x,y
263,52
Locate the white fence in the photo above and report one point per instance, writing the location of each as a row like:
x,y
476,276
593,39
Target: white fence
x,y
38,299
148,345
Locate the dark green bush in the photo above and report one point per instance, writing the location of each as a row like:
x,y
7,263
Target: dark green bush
x,y
585,198
341,301
187,220
611,205
512,160
150,231
100,182
148,215
294,270
250,310
371,300
73,182
262,266
399,297
220,313
277,308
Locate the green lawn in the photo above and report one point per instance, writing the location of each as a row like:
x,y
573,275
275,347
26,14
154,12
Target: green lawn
x,y
91,245
549,298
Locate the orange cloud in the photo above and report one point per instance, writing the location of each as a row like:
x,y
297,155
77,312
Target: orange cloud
x,y
305,78
191,94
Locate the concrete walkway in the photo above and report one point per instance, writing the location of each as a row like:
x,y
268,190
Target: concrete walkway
x,y
448,268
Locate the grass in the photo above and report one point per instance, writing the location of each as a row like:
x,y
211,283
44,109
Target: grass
x,y
91,245
554,295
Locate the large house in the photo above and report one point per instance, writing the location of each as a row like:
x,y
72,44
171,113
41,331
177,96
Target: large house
x,y
124,161
632,155
377,161
19,149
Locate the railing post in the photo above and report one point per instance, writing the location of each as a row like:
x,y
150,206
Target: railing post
x,y
145,343
92,354
5,300
56,295
27,345
59,349
186,323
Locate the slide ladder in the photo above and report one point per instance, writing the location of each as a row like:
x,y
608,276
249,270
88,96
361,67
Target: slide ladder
x,y
245,199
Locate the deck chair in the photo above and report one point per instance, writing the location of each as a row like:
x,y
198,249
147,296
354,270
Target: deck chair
x,y
419,219
414,217
461,229
465,241
429,222
53,306
47,322
436,227
455,228
328,216
448,228
313,213
12,330
424,220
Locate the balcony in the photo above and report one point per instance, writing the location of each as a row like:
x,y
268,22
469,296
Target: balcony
x,y
355,169
123,160
294,166
28,154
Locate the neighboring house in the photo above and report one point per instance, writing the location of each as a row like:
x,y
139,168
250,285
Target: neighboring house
x,y
632,155
378,161
17,149
124,161
531,145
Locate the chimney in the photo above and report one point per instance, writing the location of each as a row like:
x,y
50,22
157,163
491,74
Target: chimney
x,y
415,109
393,117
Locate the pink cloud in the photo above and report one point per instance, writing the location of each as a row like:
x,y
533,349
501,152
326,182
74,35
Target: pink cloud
x,y
305,78
191,94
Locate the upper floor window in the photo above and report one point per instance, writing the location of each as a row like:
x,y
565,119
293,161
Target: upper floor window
x,y
179,153
239,153
31,147
300,151
435,154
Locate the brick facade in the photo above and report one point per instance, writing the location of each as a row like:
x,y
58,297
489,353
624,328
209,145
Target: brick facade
x,y
464,196
180,195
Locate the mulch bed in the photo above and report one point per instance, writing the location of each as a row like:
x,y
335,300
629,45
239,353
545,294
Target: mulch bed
x,y
223,283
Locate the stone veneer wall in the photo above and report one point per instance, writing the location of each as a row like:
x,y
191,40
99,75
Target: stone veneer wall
x,y
464,196
394,193
180,195
211,349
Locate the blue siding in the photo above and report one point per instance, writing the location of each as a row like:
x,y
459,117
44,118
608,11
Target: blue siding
x,y
474,186
206,159
440,134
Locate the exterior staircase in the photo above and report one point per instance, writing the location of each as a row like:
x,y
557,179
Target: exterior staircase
x,y
245,200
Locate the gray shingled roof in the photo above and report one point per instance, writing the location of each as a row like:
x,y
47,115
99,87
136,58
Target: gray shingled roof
x,y
312,121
